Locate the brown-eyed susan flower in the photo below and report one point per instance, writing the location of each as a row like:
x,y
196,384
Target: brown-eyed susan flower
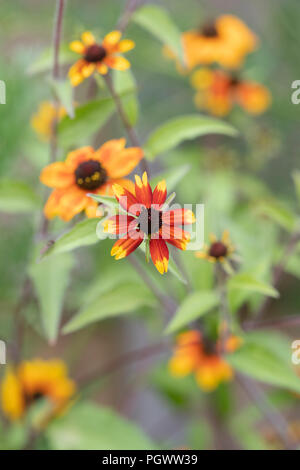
x,y
225,41
219,91
196,354
85,171
43,121
148,219
218,250
99,56
33,380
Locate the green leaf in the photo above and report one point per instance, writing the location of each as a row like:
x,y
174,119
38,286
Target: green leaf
x,y
88,426
89,118
51,278
109,201
121,300
173,132
296,178
193,307
278,213
245,281
156,21
125,85
82,234
264,359
64,92
17,197
172,177
172,266
45,61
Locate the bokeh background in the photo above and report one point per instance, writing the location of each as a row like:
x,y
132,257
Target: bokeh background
x,y
231,176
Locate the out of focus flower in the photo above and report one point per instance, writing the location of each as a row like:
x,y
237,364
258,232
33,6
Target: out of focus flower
x,y
194,354
225,41
87,171
218,250
43,121
99,56
148,219
33,380
218,91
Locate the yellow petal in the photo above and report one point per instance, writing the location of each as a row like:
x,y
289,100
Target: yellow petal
x,y
126,45
111,39
77,46
88,38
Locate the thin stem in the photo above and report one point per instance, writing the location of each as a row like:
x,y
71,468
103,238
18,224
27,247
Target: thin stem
x,y
288,321
129,128
57,32
18,320
118,363
130,8
221,278
271,414
168,303
279,270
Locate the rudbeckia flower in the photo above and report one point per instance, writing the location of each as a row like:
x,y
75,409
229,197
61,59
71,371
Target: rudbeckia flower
x,y
225,41
99,57
148,220
87,171
218,250
43,120
218,91
33,380
195,355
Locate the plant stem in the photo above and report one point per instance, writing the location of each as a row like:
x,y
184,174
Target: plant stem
x,y
279,270
271,414
221,278
129,128
57,36
288,321
130,8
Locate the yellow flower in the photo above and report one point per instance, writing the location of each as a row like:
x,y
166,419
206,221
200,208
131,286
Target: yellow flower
x,y
198,355
85,171
99,57
33,380
218,250
218,91
44,119
225,41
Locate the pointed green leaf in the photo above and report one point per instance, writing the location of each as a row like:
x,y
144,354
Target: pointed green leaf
x,y
246,282
45,61
82,234
64,92
278,213
51,278
121,300
125,85
156,21
173,132
193,307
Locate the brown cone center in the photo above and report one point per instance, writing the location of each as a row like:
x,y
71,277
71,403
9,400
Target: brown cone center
x,y
149,221
90,175
209,30
218,250
95,53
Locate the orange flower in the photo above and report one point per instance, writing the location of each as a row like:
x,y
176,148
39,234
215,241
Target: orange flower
x,y
218,91
218,250
148,220
33,380
43,120
195,355
98,57
87,171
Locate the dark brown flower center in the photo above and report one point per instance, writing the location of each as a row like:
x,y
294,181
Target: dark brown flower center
x,y
149,221
234,81
218,250
90,175
209,346
32,398
209,30
95,53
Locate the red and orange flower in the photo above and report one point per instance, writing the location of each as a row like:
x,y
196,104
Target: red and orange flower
x,y
147,219
218,91
99,57
85,171
194,354
225,41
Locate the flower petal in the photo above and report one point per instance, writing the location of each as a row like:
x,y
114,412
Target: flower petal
x,y
111,39
117,63
126,45
159,255
72,202
143,190
160,193
77,46
102,68
178,217
78,156
88,38
106,153
126,199
123,162
88,69
119,224
126,245
52,206
106,188
57,175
